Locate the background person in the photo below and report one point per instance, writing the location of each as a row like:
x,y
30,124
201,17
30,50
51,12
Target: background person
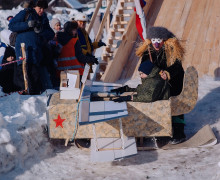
x,y
35,31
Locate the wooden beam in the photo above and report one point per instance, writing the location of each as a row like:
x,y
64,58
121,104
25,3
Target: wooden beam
x,y
103,21
99,4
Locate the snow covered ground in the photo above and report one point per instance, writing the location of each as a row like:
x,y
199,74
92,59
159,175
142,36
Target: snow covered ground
x,y
27,153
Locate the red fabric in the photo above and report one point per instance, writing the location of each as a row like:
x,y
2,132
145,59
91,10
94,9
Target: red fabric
x,y
69,51
138,21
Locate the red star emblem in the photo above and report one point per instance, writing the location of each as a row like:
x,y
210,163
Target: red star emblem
x,y
59,121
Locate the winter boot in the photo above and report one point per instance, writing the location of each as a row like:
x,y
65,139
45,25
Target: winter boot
x,y
178,133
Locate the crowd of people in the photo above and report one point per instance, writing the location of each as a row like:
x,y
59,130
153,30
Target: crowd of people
x,y
51,49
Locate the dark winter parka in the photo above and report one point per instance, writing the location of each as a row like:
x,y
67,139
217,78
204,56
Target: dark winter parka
x,y
153,88
33,40
7,72
175,71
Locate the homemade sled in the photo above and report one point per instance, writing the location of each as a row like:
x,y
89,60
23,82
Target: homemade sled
x,y
143,120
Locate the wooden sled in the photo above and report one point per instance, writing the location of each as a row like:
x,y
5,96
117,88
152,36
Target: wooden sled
x,y
144,120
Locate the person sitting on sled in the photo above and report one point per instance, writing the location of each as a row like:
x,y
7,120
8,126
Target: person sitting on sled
x,y
165,51
153,87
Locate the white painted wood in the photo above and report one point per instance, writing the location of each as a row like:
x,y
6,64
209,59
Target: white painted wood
x,y
110,149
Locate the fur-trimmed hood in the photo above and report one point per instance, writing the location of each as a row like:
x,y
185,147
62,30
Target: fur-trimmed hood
x,y
172,47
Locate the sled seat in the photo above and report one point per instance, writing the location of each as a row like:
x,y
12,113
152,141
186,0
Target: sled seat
x,y
186,101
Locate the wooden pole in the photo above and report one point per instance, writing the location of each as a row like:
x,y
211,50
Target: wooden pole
x,y
108,21
99,4
24,67
98,36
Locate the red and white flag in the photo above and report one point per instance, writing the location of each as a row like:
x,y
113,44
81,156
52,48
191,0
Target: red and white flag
x,y
140,18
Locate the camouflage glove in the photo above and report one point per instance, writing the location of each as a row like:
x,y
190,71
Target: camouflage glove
x,y
120,90
122,99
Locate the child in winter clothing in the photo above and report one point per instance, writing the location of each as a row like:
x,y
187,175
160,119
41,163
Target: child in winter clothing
x,y
71,56
166,52
7,72
153,87
55,25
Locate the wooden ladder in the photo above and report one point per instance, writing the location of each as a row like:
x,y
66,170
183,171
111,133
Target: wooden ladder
x,y
124,11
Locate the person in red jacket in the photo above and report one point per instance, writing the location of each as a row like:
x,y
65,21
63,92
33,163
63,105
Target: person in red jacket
x,y
71,56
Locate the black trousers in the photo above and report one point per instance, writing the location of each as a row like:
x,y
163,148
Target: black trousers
x,y
34,82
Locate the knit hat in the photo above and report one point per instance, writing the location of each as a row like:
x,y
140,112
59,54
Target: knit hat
x,y
69,26
159,32
53,22
39,3
146,67
81,17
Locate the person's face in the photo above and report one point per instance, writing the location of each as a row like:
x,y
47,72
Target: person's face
x,y
74,32
142,75
57,26
39,10
81,24
10,18
10,58
157,43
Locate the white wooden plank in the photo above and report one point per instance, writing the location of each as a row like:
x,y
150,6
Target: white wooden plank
x,y
110,149
115,110
96,111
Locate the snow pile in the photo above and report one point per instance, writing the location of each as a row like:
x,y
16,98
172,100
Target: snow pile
x,y
22,132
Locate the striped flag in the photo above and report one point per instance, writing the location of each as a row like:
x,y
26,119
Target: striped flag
x,y
140,18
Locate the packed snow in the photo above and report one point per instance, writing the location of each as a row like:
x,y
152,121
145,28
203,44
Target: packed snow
x,y
26,152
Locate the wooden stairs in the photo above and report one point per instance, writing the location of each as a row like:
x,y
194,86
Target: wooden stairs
x,y
116,32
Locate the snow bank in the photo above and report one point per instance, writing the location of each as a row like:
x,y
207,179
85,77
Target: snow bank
x,y
22,130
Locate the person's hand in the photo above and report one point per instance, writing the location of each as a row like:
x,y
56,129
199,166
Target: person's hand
x,y
163,75
32,23
122,99
100,44
119,90
93,60
38,27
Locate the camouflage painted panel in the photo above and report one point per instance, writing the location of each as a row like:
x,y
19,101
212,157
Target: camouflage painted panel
x,y
145,119
186,101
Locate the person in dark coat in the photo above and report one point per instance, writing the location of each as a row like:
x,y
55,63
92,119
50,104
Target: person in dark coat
x,y
7,71
153,87
33,29
166,52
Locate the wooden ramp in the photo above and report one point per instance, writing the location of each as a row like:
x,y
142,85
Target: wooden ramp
x,y
195,22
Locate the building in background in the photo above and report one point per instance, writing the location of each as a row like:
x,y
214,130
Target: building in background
x,y
57,6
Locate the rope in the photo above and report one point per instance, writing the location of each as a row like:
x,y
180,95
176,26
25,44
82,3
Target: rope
x,y
20,59
76,122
